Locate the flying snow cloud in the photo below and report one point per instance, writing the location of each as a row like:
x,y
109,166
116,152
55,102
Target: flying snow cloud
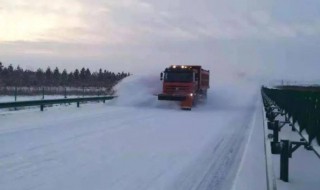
x,y
247,38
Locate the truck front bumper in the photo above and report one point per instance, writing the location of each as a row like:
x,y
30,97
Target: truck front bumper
x,y
172,97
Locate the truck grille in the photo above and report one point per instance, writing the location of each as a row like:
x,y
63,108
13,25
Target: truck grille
x,y
176,89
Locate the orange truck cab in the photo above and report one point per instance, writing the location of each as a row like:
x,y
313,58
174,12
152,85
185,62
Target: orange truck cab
x,y
184,83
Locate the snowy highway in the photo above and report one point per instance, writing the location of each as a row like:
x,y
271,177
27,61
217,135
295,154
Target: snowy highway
x,y
141,145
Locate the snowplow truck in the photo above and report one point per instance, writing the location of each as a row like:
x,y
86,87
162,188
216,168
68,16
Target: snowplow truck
x,y
185,83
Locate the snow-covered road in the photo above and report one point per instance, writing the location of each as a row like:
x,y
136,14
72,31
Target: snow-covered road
x,y
114,146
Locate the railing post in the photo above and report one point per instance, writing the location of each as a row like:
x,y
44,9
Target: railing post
x,y
276,131
284,160
78,104
274,126
15,96
15,93
41,107
42,93
65,92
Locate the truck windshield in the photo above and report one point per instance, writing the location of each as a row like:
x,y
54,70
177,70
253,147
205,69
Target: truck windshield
x,y
178,77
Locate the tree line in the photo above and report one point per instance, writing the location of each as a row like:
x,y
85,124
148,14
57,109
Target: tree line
x,y
10,76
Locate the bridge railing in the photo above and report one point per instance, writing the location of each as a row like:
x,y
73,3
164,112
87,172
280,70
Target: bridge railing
x,y
300,109
302,105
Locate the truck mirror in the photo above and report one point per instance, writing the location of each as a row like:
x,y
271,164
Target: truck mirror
x,y
161,76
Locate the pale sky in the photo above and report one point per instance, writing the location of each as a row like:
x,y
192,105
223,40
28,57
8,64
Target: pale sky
x,y
235,37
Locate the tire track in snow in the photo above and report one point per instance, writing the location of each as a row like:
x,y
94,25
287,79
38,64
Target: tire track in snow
x,y
223,169
226,158
216,168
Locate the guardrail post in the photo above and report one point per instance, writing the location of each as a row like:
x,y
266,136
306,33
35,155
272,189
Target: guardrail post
x,y
274,126
284,160
42,93
65,92
78,104
270,115
41,107
15,94
276,132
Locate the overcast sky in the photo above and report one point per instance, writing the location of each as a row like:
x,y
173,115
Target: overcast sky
x,y
236,37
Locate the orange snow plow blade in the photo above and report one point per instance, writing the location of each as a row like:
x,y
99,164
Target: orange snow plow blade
x,y
187,103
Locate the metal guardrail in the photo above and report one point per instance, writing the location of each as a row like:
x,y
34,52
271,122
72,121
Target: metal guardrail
x,y
302,105
296,105
43,103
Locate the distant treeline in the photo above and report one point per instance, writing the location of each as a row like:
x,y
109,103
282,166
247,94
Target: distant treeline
x,y
18,77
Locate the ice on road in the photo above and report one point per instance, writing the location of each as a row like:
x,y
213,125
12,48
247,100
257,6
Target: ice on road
x,y
133,142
